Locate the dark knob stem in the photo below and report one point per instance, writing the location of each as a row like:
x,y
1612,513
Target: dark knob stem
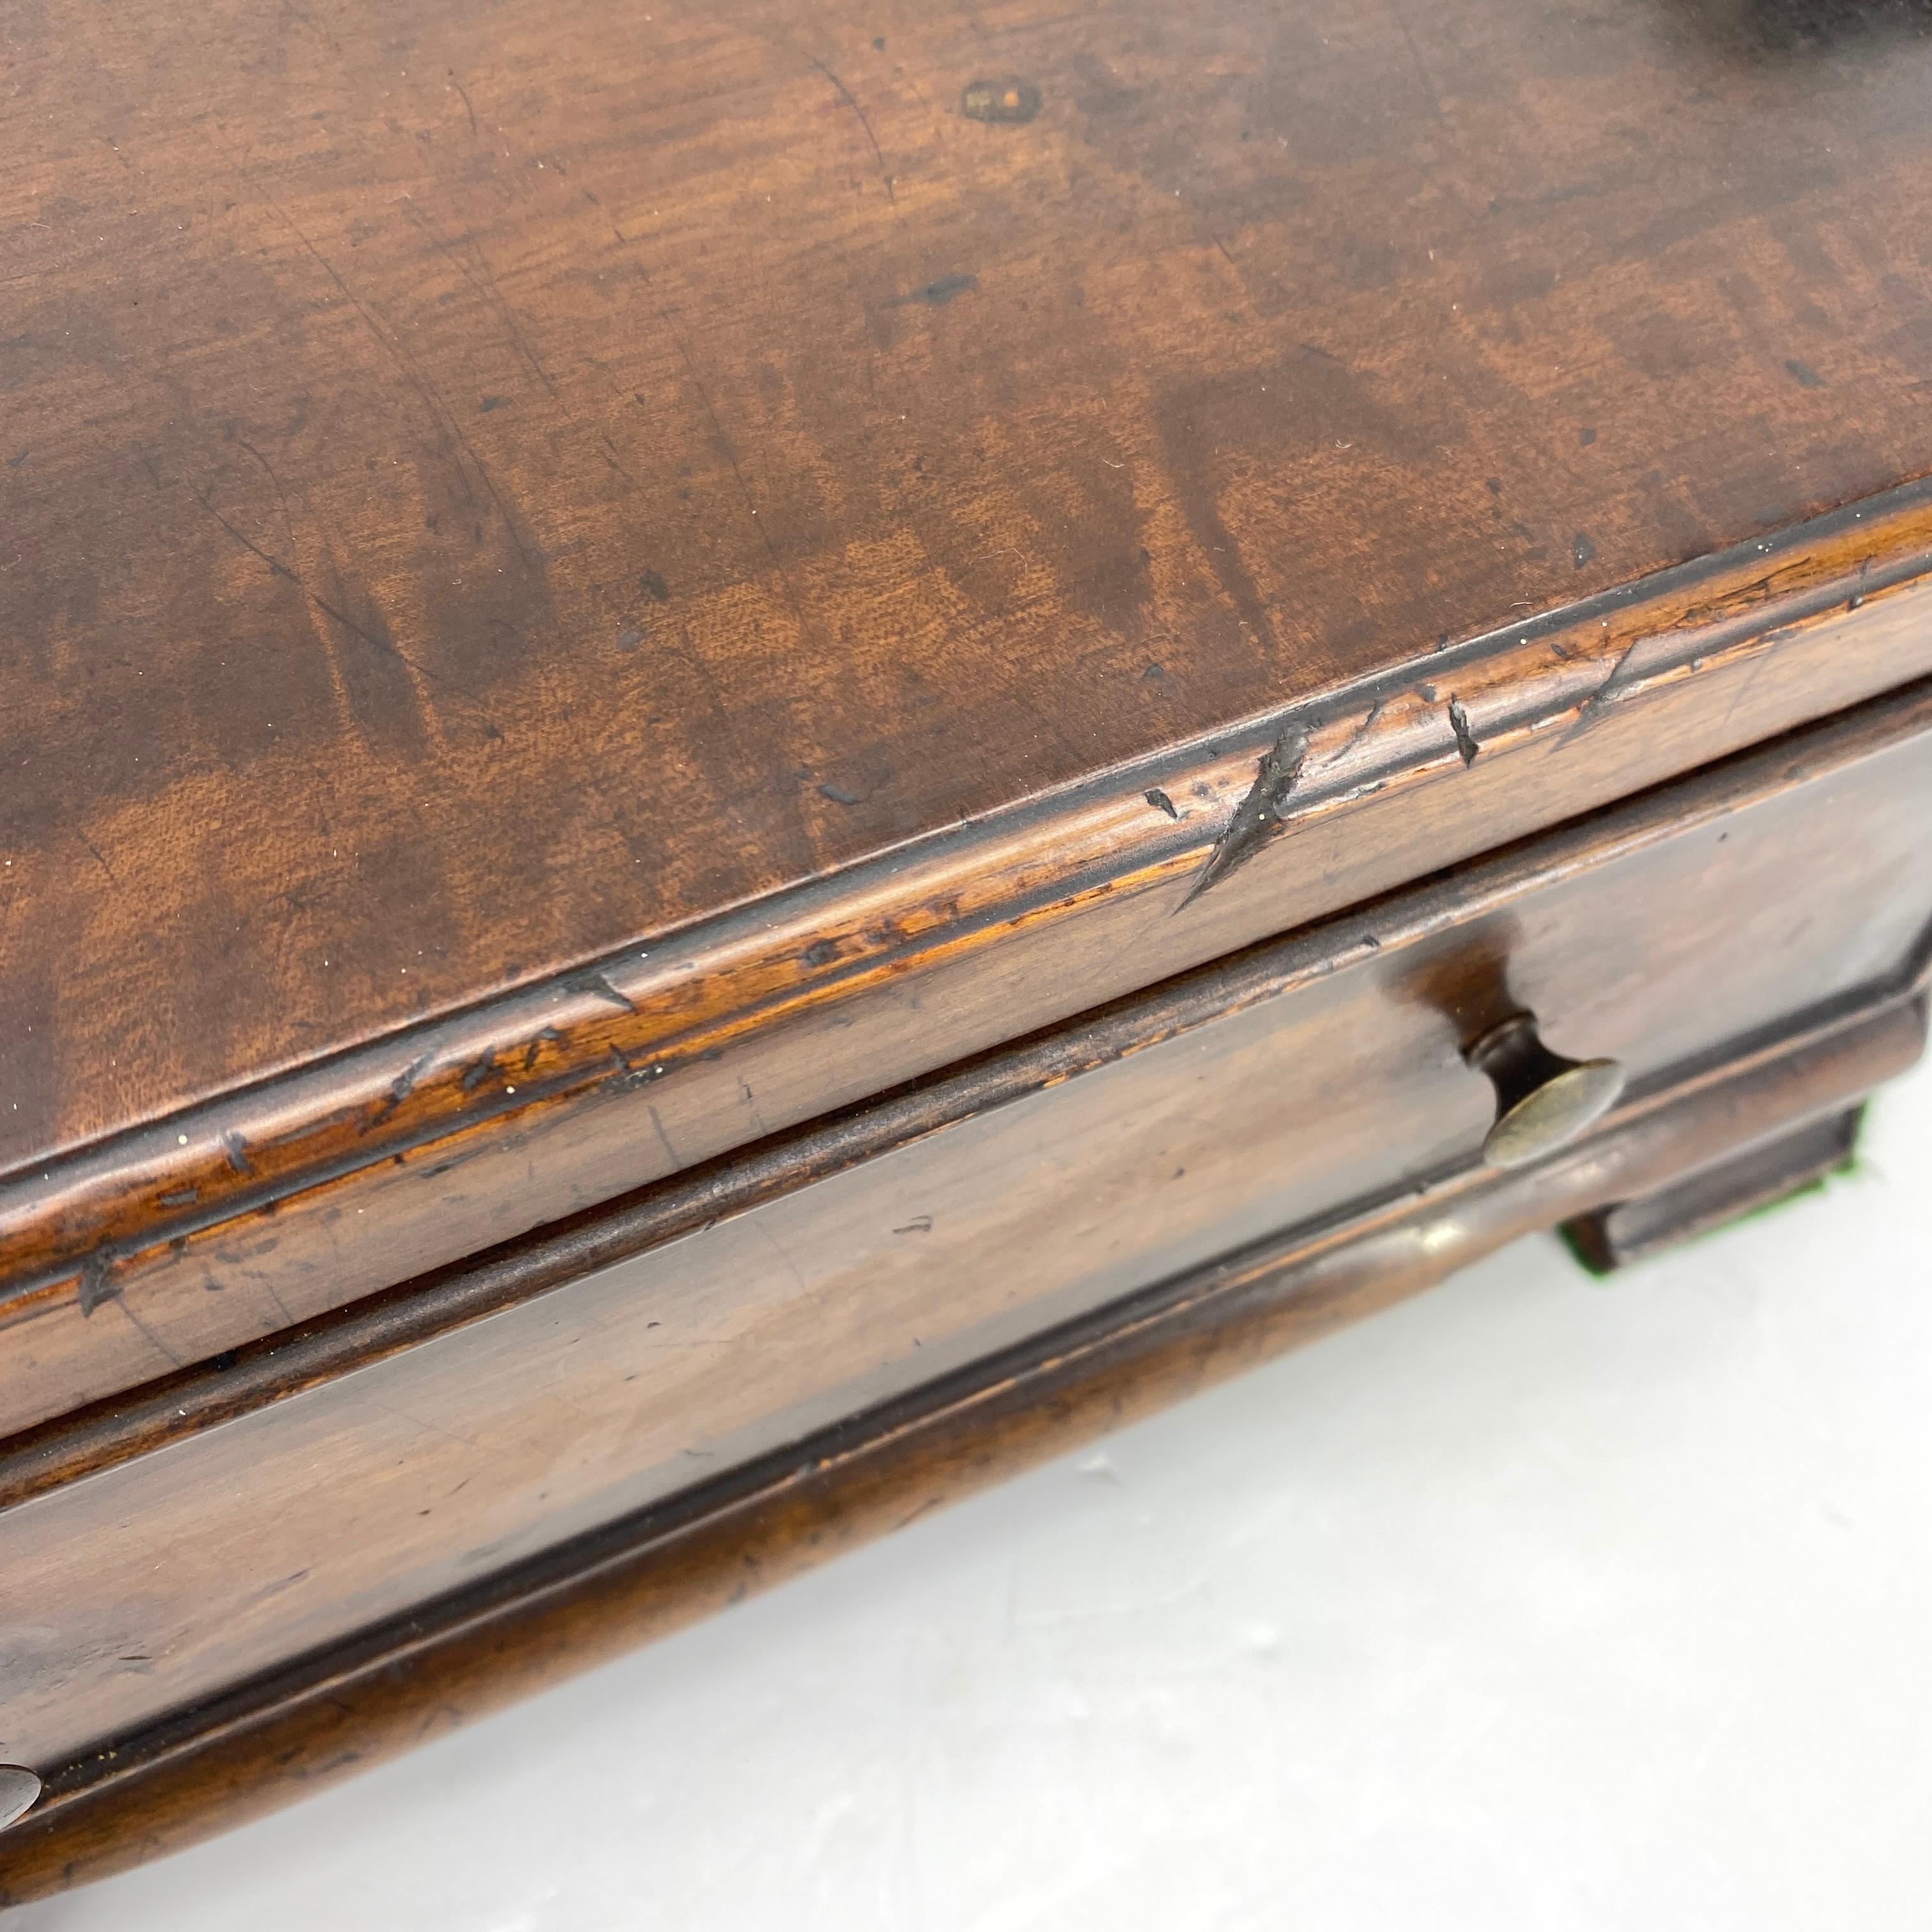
x,y
1544,1101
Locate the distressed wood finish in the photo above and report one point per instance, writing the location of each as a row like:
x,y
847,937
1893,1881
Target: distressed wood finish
x,y
754,753
471,1131
1193,1121
279,1739
495,492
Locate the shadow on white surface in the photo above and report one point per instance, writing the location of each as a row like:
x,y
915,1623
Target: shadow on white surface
x,y
1538,1603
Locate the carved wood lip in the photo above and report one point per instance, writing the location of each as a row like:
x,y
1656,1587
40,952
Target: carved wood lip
x,y
626,1018
282,1734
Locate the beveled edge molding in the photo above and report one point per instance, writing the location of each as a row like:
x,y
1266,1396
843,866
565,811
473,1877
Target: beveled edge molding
x,y
277,1738
620,1022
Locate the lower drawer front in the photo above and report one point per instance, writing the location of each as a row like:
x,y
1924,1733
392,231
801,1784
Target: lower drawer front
x,y
1316,1073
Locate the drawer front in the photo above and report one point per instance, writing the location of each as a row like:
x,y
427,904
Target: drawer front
x,y
1274,1089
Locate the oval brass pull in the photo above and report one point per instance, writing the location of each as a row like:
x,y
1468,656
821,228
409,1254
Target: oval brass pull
x,y
1544,1101
19,1788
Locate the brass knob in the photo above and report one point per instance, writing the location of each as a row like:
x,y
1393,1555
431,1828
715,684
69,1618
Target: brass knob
x,y
19,1788
1543,1101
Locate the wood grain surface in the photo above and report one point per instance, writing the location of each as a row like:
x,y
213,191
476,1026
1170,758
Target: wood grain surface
x,y
728,1041
490,488
1271,1092
231,1221
631,636
293,1731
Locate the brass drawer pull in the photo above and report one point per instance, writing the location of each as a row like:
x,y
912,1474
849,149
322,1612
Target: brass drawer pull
x,y
19,1788
1544,1101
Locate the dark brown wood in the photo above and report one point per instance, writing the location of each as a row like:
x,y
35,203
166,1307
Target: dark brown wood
x,y
1624,1232
492,493
379,1468
1827,756
749,752
279,1739
1726,658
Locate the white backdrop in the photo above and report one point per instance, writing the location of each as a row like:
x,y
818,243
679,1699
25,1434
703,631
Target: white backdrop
x,y
1540,1602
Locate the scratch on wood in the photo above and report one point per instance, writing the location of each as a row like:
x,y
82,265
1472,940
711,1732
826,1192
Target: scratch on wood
x,y
477,1072
534,1052
96,1286
1258,817
1749,678
426,393
482,278
846,94
1356,737
1606,693
630,1076
147,1334
400,1088
605,989
95,853
937,295
663,1140
463,95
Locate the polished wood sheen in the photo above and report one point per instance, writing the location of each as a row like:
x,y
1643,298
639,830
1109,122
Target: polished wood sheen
x,y
325,1718
491,490
749,1027
751,751
1188,1124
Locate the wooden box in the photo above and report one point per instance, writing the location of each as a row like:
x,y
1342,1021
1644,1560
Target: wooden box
x,y
758,757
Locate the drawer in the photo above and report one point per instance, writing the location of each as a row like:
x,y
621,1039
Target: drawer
x,y
297,1502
